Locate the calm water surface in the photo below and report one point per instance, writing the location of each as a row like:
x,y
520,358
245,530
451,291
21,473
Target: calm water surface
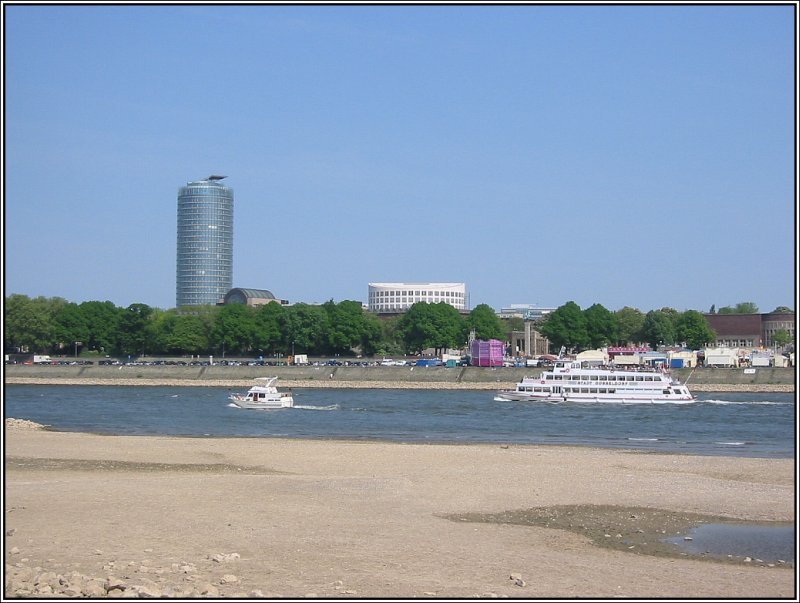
x,y
767,543
732,424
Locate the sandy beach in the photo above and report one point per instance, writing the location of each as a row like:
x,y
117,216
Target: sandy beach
x,y
186,517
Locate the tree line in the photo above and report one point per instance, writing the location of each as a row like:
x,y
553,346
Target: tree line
x,y
596,327
56,326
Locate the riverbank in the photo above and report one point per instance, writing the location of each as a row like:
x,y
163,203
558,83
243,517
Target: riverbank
x,y
468,378
298,384
91,515
765,379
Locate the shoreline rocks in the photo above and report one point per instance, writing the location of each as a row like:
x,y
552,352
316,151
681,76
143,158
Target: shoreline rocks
x,y
121,580
23,425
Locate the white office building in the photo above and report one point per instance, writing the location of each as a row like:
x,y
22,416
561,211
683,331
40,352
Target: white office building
x,y
399,297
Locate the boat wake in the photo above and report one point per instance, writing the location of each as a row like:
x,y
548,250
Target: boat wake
x,y
747,402
305,407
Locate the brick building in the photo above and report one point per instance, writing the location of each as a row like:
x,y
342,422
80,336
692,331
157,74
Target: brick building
x,y
750,330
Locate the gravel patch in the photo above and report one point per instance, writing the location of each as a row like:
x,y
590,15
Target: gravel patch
x,y
639,530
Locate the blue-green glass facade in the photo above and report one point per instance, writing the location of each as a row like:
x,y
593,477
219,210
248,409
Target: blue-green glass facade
x,y
205,243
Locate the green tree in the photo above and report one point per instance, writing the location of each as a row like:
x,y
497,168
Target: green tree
x,y
746,308
601,326
234,330
390,341
781,338
515,323
658,329
486,324
417,328
451,326
132,329
346,326
692,328
71,325
629,322
102,319
437,326
29,324
189,334
566,326
305,329
672,314
740,308
371,334
782,310
269,321
161,326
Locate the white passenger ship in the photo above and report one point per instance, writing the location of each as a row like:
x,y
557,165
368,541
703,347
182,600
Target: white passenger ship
x,y
568,382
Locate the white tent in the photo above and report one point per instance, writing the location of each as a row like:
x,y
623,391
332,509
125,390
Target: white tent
x,y
627,359
592,357
721,357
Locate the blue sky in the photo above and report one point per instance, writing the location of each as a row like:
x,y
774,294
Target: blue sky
x,y
622,155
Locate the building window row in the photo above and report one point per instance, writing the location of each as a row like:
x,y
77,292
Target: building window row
x,y
409,293
736,343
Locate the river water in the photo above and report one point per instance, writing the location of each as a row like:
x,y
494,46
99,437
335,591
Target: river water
x,y
730,424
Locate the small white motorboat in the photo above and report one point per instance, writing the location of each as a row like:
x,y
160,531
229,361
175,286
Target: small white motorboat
x,y
263,395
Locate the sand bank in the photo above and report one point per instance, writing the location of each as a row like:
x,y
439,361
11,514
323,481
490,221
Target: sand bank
x,y
292,518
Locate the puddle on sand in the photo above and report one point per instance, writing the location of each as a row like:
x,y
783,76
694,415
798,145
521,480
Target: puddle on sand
x,y
770,544
660,532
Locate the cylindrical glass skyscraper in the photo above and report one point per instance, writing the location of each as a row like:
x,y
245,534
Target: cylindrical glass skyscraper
x,y
205,242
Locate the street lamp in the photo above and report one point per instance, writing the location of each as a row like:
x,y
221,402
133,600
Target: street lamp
x,y
77,343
